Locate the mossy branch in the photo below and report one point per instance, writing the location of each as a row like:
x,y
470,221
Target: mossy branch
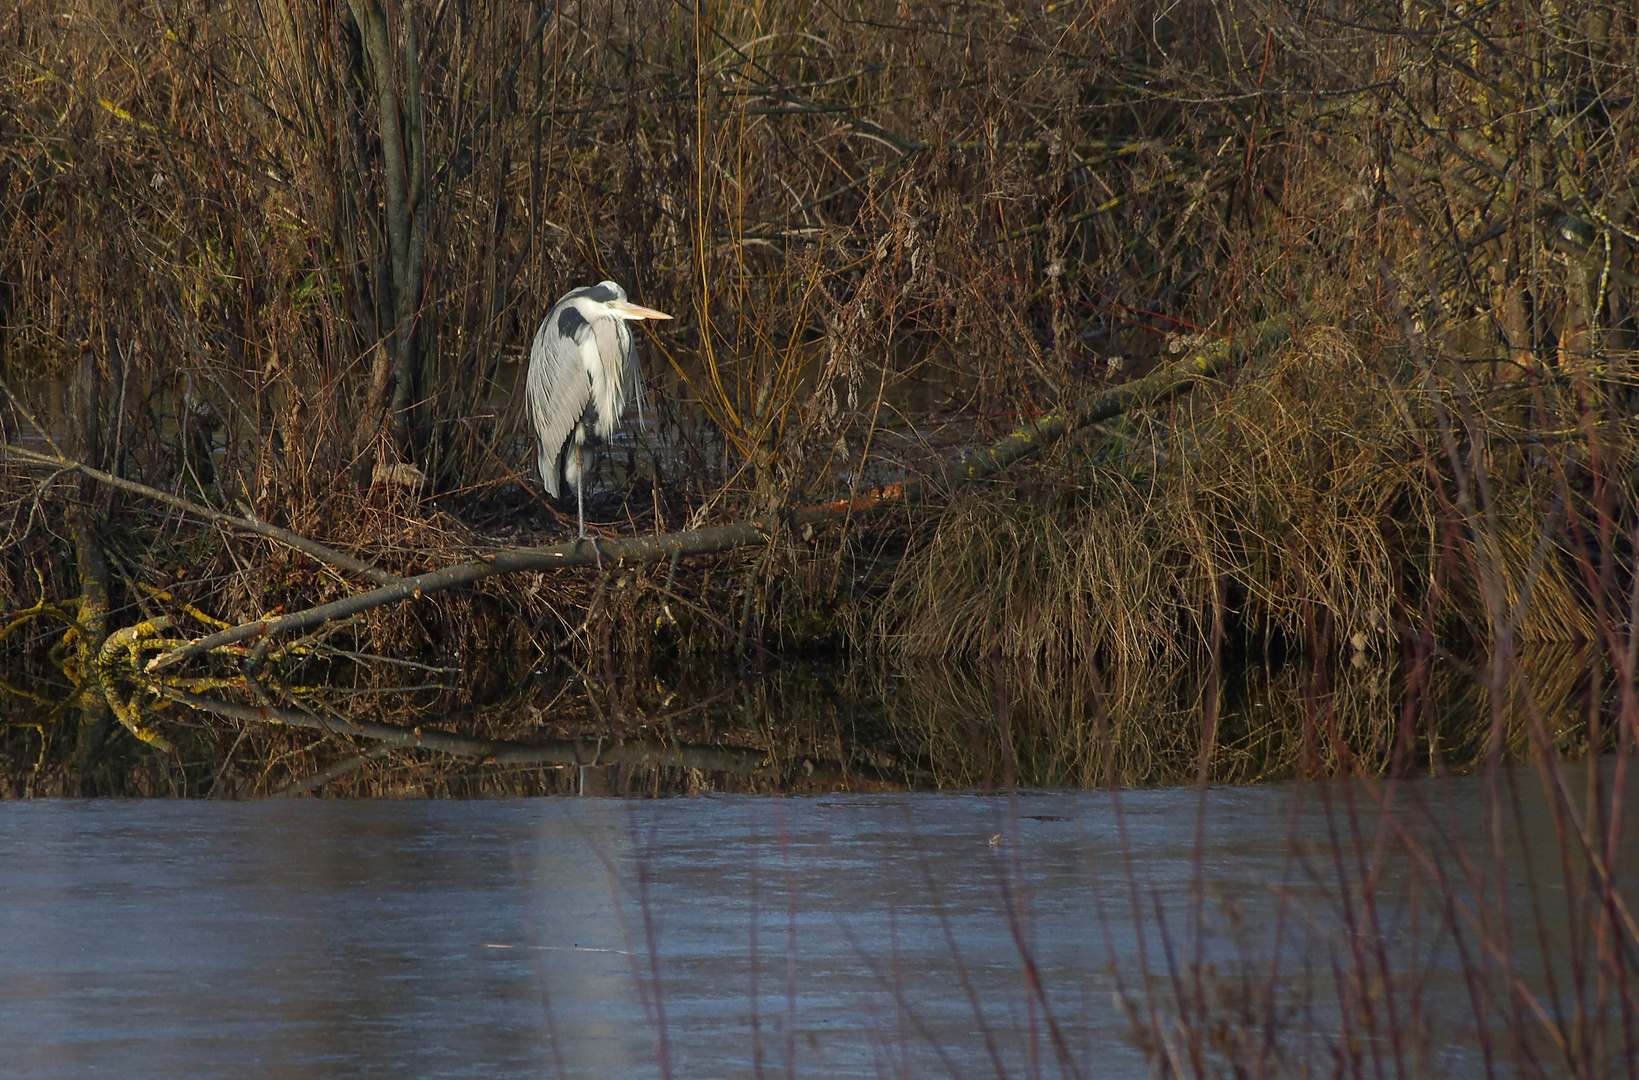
x,y
1207,362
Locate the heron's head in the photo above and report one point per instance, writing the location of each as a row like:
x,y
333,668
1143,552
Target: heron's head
x,y
611,299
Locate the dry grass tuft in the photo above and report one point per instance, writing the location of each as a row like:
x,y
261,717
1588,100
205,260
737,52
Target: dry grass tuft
x,y
1302,494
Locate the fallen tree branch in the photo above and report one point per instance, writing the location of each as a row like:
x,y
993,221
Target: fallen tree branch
x,y
1208,361
641,751
633,550
261,528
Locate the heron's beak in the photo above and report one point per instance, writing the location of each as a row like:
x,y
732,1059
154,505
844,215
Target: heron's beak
x,y
628,310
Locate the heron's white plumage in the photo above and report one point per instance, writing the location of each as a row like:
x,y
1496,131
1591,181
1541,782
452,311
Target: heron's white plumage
x,y
583,369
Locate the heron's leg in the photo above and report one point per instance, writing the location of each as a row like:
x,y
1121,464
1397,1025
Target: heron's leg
x,y
580,504
580,498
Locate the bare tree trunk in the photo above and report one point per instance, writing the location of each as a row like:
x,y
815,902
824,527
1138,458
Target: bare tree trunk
x,y
403,176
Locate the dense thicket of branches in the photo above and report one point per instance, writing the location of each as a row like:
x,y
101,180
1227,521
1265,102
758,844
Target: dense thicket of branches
x,y
273,254
339,219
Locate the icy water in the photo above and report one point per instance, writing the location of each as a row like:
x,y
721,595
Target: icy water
x,y
725,936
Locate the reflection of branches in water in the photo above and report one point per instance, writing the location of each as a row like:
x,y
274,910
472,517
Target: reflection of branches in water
x,y
936,727
1144,728
317,780
633,751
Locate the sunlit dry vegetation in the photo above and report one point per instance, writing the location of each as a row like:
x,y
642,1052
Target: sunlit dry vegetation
x,y
284,261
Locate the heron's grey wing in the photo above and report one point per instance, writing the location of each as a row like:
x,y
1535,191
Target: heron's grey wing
x,y
556,393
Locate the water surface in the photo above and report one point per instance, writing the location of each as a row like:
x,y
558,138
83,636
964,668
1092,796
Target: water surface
x,y
724,936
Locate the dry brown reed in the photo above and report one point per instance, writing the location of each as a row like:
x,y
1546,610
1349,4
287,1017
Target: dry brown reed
x,y
1300,487
286,252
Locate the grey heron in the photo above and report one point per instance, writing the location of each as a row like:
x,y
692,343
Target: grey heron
x,y
582,371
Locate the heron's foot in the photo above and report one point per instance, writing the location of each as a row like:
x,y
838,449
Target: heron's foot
x,y
597,556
